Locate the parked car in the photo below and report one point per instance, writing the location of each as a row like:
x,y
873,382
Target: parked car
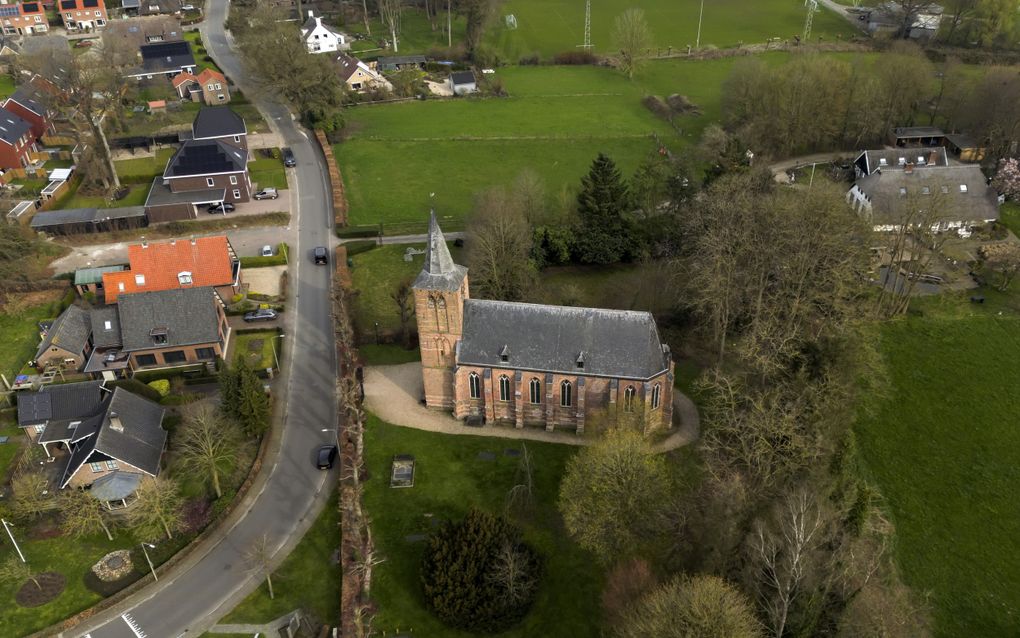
x,y
262,314
83,43
288,158
187,7
223,207
325,457
267,251
320,255
267,193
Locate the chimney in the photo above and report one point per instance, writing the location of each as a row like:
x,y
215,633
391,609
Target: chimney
x,y
173,242
145,244
115,423
194,242
908,168
311,13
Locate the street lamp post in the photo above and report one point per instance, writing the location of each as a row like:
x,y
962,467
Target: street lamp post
x,y
697,43
376,333
272,343
7,527
149,560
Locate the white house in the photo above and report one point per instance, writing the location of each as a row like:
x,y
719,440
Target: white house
x,y
320,38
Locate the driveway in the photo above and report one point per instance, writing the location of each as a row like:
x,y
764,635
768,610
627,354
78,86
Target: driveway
x,y
290,492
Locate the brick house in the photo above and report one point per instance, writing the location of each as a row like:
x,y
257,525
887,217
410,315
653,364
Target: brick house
x,y
83,15
28,103
529,364
97,434
172,328
209,86
168,58
16,141
209,168
24,18
68,342
178,263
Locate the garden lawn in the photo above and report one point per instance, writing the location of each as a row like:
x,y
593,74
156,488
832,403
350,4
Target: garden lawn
x,y
9,450
547,27
136,197
387,354
416,35
307,579
6,85
19,336
450,479
944,448
144,169
256,348
268,173
1009,216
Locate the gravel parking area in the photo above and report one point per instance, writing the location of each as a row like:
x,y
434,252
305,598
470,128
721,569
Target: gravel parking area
x,y
265,281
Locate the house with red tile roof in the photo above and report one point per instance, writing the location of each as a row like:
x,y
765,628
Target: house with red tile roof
x,y
83,15
177,264
209,86
24,18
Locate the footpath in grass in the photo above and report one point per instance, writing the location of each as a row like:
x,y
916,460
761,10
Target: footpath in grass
x,y
944,449
450,478
309,578
547,27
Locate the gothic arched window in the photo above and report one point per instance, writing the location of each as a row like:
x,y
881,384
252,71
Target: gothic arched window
x,y
442,318
628,399
474,386
536,391
504,388
566,391
656,389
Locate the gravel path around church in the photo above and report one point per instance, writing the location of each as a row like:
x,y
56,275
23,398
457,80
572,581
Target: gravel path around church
x,y
392,393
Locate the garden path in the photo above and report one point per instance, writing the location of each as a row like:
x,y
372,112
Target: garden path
x,y
392,392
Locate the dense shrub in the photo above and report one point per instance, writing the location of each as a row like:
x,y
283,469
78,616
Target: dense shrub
x,y
477,574
160,385
136,387
658,106
575,57
358,247
195,515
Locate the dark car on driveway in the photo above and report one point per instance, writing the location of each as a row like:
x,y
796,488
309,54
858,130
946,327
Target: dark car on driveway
x,y
262,314
220,208
288,158
325,457
320,255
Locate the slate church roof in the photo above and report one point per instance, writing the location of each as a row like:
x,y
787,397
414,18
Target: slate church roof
x,y
561,339
439,271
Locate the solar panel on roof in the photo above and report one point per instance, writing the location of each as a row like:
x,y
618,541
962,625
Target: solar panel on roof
x,y
31,7
8,11
68,4
91,3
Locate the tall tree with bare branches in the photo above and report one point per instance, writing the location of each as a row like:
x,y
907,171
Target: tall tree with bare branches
x,y
206,444
83,515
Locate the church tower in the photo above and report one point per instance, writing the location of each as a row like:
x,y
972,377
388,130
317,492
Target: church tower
x,y
439,293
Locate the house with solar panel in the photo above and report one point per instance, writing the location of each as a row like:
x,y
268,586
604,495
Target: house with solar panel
x,y
210,168
105,439
522,364
24,18
83,15
17,144
167,59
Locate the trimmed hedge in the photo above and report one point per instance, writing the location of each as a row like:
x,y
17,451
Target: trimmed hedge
x,y
358,247
135,386
351,232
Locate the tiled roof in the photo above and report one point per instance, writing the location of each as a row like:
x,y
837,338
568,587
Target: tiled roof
x,y
105,327
28,97
217,121
161,195
59,402
183,78
185,316
160,57
70,332
159,264
210,74
12,127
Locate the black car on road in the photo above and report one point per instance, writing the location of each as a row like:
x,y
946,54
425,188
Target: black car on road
x,y
325,457
320,255
288,158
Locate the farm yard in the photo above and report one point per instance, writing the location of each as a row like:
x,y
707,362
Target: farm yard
x,y
556,120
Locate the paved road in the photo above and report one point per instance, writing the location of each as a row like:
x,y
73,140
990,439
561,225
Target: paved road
x,y
186,603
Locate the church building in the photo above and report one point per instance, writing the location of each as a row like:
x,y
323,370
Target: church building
x,y
531,364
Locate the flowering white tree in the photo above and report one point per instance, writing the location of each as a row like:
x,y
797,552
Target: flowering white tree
x,y
1007,180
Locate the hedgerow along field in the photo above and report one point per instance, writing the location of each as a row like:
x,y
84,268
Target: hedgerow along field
x,y
548,27
944,448
401,159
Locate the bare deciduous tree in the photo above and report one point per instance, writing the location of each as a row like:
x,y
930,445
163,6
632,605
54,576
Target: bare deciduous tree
x,y
499,246
403,297
259,559
704,606
29,499
390,12
13,570
513,571
206,444
633,39
157,510
83,515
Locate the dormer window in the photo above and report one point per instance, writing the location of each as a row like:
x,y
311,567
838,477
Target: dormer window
x,y
903,161
883,161
184,278
925,190
139,280
158,335
580,361
504,354
963,188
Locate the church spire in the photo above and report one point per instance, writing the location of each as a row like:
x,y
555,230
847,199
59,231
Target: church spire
x,y
439,272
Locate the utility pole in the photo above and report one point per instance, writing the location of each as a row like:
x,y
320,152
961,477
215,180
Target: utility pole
x,y
6,527
812,6
149,560
587,26
449,26
701,14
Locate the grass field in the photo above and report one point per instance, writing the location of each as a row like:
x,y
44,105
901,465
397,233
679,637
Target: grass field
x,y
944,449
416,35
450,479
268,172
556,120
136,197
547,27
307,578
144,169
256,348
20,332
6,85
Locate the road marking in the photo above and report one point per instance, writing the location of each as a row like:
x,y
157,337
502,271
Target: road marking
x,y
133,625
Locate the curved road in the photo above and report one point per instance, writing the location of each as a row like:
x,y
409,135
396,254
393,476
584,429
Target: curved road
x,y
190,598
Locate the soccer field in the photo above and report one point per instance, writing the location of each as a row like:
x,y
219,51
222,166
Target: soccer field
x,y
547,27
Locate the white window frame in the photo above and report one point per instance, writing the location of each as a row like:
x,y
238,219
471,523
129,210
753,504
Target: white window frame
x,y
474,386
628,399
139,279
566,394
40,428
184,278
111,464
96,467
535,391
233,180
237,193
504,388
210,182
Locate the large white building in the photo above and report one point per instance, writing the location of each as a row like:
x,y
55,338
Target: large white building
x,y
320,38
